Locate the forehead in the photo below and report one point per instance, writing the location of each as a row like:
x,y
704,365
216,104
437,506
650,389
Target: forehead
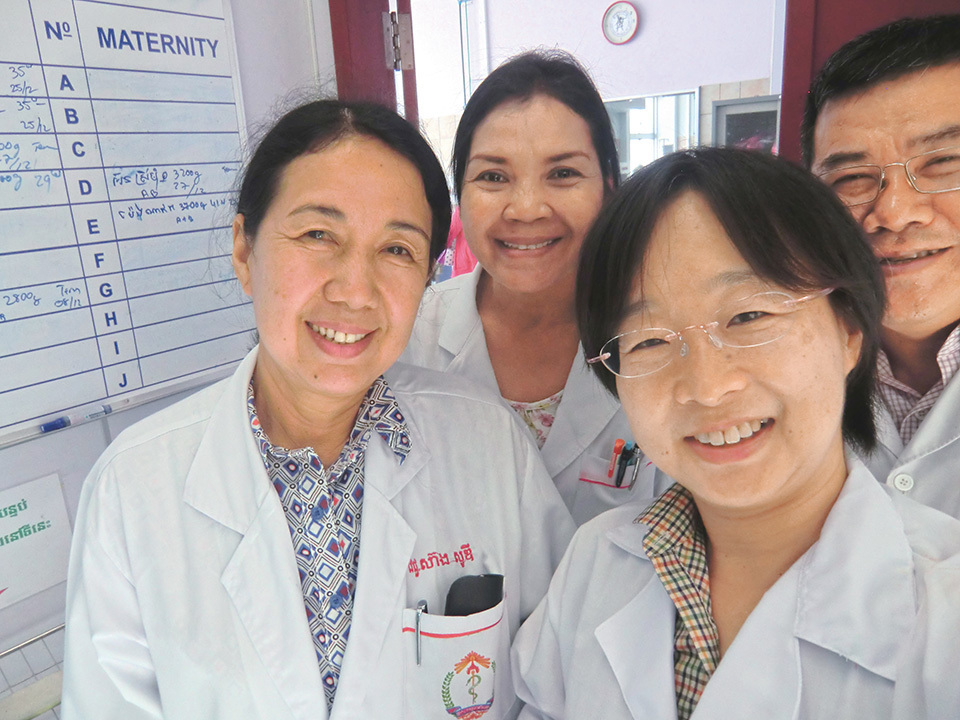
x,y
690,257
361,176
893,119
539,125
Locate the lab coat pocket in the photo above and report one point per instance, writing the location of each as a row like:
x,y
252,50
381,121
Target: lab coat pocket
x,y
464,665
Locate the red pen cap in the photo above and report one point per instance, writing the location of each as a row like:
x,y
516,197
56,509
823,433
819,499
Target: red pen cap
x,y
617,449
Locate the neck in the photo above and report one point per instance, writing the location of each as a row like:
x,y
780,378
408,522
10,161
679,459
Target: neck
x,y
913,361
765,543
548,307
297,420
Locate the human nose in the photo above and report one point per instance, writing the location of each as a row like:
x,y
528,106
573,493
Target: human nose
x,y
898,204
705,376
526,203
351,281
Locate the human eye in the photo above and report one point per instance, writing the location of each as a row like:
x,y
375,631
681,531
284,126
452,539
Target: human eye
x,y
490,176
316,234
853,180
944,163
565,173
399,251
642,341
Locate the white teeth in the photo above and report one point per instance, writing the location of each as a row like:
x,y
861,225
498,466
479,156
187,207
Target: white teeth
x,y
732,435
337,336
526,247
908,258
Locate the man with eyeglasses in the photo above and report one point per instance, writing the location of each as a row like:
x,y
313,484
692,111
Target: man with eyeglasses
x,y
882,128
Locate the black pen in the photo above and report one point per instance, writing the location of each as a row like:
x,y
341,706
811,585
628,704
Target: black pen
x,y
628,451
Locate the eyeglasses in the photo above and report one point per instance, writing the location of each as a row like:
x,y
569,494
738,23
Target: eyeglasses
x,y
937,171
751,322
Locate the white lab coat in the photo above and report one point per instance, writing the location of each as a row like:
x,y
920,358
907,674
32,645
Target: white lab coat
x,y
928,468
184,601
864,625
448,336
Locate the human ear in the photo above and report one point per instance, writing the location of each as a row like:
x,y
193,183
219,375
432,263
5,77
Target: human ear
x,y
242,248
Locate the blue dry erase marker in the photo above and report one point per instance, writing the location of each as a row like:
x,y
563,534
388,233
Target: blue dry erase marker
x,y
58,424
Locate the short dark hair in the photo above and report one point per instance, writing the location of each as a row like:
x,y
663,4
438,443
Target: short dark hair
x,y
883,54
787,225
554,73
314,126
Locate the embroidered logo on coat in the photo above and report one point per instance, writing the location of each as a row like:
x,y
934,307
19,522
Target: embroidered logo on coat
x,y
470,680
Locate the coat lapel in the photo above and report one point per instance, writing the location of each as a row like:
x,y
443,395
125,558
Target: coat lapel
x,y
386,546
586,409
638,640
228,483
462,334
759,676
939,427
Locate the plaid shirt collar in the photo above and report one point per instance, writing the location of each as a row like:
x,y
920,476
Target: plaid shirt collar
x,y
907,406
676,546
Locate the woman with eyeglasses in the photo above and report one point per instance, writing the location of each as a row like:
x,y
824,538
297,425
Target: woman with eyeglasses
x,y
727,298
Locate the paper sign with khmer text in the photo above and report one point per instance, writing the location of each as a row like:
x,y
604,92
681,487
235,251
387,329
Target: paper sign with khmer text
x,y
34,539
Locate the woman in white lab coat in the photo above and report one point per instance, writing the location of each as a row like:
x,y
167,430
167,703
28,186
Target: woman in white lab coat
x,y
533,159
731,303
281,544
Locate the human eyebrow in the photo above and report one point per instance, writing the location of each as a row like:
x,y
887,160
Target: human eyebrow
x,y
732,278
575,154
951,132
841,159
494,159
402,226
326,210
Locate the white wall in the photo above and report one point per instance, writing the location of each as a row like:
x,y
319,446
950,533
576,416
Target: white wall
x,y
681,44
284,51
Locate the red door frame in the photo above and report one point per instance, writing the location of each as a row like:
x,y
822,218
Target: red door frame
x,y
358,52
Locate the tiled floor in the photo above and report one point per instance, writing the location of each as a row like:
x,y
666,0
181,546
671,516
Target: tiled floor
x,y
28,665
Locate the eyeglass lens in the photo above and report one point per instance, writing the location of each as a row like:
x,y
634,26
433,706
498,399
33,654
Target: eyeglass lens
x,y
751,322
932,172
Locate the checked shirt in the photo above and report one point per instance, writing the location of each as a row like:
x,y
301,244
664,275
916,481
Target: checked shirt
x,y
676,546
323,507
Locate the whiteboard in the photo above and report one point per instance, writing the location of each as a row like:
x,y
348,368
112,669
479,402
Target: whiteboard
x,y
119,152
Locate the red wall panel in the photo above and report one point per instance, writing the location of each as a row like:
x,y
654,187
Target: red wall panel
x,y
814,29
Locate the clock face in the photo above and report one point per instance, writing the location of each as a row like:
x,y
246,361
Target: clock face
x,y
620,22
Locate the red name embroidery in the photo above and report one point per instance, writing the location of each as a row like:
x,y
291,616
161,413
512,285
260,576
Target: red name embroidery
x,y
439,559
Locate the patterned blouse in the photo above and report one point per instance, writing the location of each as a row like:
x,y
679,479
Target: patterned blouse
x,y
676,545
538,415
323,507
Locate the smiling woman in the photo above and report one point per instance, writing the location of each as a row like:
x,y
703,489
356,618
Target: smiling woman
x,y
267,546
534,159
730,301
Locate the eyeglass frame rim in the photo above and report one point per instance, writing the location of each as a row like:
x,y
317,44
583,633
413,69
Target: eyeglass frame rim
x,y
883,175
824,292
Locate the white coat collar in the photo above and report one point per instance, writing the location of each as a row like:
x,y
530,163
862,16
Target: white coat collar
x,y
852,593
228,483
939,427
586,407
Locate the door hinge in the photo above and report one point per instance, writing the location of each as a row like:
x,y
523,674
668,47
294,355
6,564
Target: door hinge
x,y
398,40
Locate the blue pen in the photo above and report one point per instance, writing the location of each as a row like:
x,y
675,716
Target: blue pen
x,y
68,420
